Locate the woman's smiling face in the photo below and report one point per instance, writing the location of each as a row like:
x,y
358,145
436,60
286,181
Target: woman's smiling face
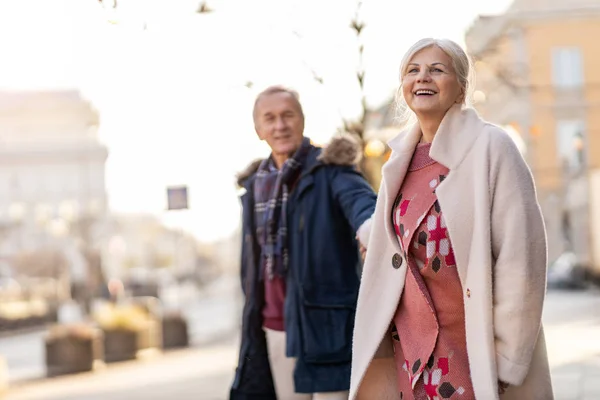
x,y
429,83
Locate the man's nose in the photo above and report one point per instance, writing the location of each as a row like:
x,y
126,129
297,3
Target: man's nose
x,y
280,123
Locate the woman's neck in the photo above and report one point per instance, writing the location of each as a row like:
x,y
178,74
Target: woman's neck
x,y
429,127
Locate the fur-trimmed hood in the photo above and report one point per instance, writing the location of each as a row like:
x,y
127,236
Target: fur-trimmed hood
x,y
343,149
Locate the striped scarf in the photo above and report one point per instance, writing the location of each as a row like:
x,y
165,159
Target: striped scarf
x,y
271,190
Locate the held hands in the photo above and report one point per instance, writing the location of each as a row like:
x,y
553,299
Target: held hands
x,y
363,249
502,386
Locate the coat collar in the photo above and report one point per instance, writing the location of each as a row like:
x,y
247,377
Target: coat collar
x,y
455,137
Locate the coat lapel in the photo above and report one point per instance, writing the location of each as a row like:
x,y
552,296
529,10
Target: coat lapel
x,y
456,135
452,142
393,174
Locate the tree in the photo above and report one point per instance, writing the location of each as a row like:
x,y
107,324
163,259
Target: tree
x,y
357,125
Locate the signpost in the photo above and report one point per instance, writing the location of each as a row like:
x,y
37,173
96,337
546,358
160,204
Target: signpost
x,y
177,198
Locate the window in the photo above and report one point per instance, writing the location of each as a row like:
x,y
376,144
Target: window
x,y
567,67
571,144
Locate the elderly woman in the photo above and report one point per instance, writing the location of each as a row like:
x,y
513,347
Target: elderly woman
x,y
450,303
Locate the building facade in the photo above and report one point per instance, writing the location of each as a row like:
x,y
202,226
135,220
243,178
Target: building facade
x,y
538,74
51,162
52,179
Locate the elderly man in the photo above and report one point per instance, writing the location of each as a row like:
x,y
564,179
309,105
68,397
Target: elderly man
x,y
303,209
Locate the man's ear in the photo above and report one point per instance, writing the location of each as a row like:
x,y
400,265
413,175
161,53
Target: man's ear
x,y
258,132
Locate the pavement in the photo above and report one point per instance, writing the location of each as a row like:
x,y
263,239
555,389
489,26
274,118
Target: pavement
x,y
196,373
572,327
571,319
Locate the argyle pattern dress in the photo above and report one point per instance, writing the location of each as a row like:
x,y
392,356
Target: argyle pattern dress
x,y
428,329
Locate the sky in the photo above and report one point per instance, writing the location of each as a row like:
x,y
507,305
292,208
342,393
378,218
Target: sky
x,y
170,84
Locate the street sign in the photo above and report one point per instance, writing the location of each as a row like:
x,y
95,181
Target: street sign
x,y
177,198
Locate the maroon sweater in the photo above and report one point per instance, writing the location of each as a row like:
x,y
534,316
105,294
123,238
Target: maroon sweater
x,y
274,300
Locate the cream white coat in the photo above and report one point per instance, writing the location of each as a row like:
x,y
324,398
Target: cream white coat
x,y
490,207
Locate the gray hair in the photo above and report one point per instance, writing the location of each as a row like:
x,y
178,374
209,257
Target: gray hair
x,y
274,90
461,63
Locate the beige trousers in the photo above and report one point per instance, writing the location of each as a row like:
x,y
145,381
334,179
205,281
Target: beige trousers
x,y
282,368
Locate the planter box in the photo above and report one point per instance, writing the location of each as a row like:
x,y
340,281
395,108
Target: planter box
x,y
174,332
120,345
71,354
8,324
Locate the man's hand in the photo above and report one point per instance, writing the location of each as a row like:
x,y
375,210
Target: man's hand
x,y
363,249
502,386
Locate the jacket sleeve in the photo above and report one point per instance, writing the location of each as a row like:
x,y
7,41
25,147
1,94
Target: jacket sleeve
x,y
520,260
243,265
354,195
244,257
249,247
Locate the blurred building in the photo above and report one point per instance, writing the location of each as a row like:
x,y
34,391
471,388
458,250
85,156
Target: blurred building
x,y
141,244
538,72
52,170
51,162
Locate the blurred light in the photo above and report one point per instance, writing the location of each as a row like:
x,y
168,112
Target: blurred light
x,y
68,210
43,213
95,206
535,131
479,97
17,211
117,245
578,143
58,228
374,148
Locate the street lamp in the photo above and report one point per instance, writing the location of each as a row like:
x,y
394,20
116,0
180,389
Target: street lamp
x,y
374,148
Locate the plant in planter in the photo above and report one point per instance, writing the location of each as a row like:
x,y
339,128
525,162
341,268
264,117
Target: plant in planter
x,y
72,348
124,330
174,331
15,314
152,308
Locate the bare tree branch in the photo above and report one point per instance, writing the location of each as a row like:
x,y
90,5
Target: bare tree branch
x,y
204,8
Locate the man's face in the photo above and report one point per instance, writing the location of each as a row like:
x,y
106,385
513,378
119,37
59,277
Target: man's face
x,y
279,122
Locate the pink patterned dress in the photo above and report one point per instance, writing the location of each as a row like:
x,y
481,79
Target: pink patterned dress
x,y
428,328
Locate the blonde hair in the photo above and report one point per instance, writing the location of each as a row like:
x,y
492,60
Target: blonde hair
x,y
461,63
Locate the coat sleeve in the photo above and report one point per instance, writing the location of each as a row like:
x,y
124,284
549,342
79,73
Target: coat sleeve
x,y
243,265
354,195
249,247
244,255
520,260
